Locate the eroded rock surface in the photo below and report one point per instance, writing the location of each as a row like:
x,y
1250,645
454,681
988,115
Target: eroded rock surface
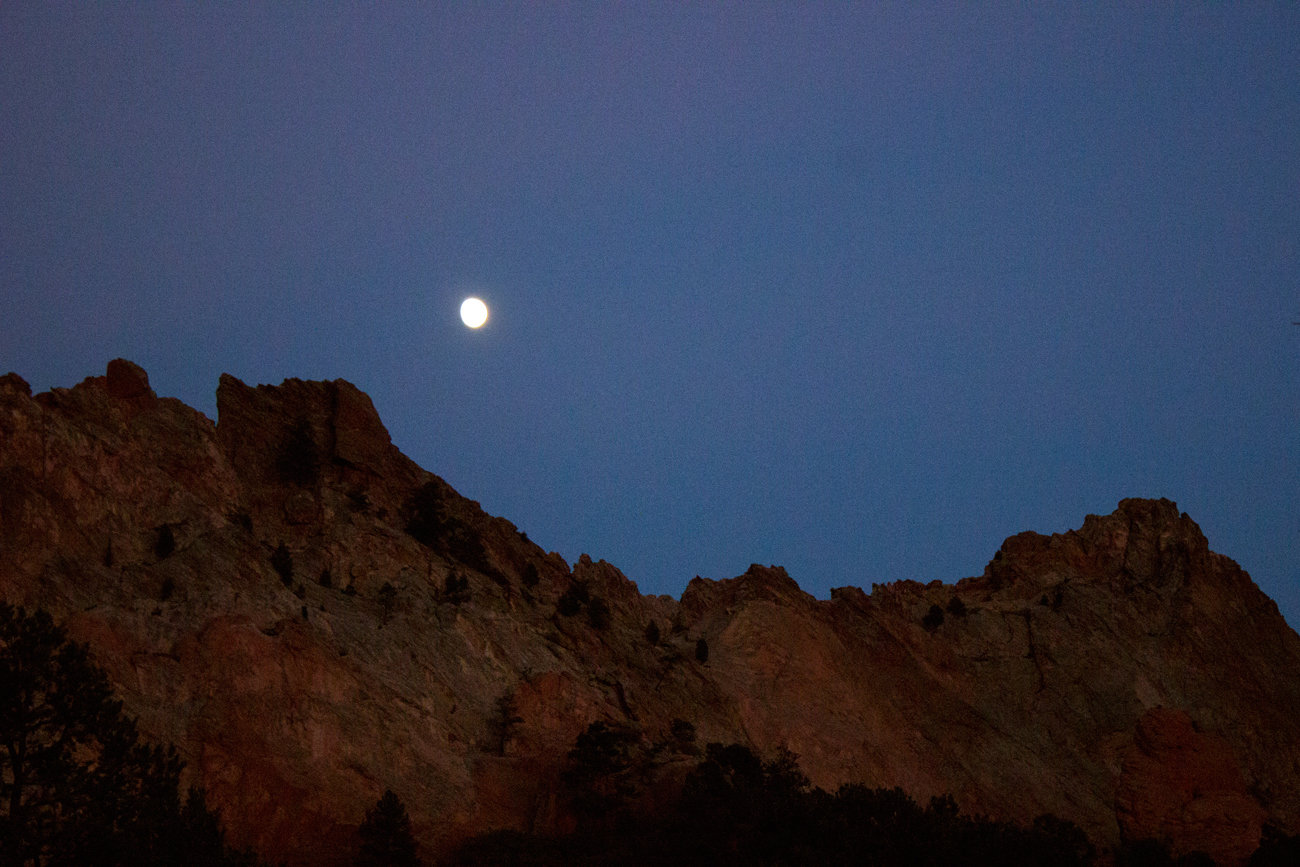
x,y
254,593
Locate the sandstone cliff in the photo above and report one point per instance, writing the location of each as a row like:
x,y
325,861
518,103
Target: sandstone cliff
x,y
258,594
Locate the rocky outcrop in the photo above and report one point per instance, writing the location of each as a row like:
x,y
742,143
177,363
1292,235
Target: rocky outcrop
x,y
1181,784
312,618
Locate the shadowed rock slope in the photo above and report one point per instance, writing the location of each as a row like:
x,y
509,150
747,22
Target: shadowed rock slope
x,y
312,618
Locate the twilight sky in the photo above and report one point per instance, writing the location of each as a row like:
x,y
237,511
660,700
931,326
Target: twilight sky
x,y
856,289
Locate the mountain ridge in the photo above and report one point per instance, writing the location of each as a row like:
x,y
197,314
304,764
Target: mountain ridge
x,y
1121,675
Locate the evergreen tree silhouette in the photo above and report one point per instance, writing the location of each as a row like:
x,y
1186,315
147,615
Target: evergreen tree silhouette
x,y
77,785
386,839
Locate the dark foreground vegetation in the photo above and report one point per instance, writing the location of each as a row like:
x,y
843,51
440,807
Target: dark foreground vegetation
x,y
736,809
78,788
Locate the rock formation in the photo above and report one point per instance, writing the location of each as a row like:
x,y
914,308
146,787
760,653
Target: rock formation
x,y
311,618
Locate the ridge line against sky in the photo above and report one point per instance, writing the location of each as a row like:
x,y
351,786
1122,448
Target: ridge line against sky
x,y
859,291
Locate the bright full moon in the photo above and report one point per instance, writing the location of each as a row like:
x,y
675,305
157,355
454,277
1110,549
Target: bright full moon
x,y
473,312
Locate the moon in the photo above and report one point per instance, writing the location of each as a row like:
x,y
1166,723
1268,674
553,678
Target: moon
x,y
473,312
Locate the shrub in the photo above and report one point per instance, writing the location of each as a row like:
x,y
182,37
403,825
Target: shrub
x,y
956,607
933,618
598,613
702,651
282,563
164,543
455,588
503,721
387,602
242,519
432,520
298,458
683,734
426,522
358,500
652,633
573,599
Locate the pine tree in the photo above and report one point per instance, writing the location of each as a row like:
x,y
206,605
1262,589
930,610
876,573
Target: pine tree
x,y
77,785
386,839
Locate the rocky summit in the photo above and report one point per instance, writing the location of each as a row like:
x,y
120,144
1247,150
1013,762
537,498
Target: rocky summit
x,y
311,619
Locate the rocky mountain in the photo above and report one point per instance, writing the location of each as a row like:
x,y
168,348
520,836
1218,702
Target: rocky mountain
x,y
312,618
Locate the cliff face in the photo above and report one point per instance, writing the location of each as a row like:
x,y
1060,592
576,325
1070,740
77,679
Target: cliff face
x,y
1121,675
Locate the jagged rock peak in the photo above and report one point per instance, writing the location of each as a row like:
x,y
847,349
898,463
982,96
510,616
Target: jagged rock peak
x,y
758,582
15,384
334,416
127,380
1142,542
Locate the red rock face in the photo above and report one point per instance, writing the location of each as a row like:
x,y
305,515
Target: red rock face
x,y
1122,675
1185,786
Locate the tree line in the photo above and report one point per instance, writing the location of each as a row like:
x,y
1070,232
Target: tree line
x,y
736,808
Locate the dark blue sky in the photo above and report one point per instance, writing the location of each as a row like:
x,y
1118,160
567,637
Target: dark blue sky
x,y
858,290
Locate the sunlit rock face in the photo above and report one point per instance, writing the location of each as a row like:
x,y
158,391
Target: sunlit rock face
x,y
312,618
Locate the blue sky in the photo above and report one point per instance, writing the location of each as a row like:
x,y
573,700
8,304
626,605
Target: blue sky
x,y
859,290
